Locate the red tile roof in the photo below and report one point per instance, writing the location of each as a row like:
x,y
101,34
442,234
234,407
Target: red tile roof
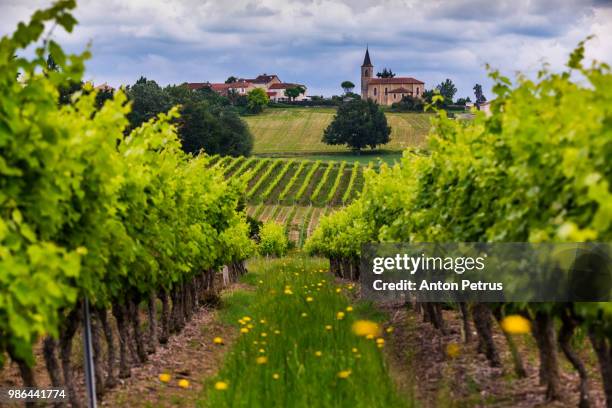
x,y
219,87
284,85
197,85
262,79
396,80
271,93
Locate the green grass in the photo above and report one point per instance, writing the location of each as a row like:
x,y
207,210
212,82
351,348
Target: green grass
x,y
299,130
288,331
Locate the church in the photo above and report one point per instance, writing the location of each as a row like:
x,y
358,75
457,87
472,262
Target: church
x,y
387,91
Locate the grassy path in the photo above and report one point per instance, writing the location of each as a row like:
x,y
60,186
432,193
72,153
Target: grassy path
x,y
296,346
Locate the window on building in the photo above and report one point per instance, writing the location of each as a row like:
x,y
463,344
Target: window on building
x,y
393,96
417,90
386,91
374,91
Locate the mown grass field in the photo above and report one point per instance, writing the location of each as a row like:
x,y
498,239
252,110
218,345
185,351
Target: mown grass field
x,y
299,130
303,343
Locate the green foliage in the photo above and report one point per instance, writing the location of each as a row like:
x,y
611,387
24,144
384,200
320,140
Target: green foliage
x,y
409,104
334,187
322,181
295,91
448,90
207,122
349,189
86,208
386,73
306,182
358,124
273,239
348,86
537,169
257,100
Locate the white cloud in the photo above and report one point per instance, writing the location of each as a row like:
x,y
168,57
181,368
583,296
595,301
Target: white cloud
x,y
321,42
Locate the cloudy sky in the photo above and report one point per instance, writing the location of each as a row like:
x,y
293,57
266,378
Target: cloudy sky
x,y
321,43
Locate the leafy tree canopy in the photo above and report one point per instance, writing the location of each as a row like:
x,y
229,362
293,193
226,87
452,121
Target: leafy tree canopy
x,y
386,73
358,124
257,100
480,98
348,86
294,91
447,90
231,80
208,122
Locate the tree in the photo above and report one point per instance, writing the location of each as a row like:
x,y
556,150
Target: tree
x,y
447,90
386,73
148,100
480,98
463,101
428,95
257,100
348,86
208,122
358,124
231,80
294,91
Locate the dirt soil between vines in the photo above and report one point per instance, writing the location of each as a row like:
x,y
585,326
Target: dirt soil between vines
x,y
420,365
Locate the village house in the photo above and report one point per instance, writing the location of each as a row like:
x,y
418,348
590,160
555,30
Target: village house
x,y
273,86
387,91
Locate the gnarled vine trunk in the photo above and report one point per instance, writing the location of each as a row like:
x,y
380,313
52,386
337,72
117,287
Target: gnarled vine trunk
x,y
482,321
544,333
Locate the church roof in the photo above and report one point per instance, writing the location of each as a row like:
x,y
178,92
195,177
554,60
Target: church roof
x,y
396,80
366,60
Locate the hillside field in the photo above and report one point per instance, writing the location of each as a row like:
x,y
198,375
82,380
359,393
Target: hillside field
x,y
294,192
299,130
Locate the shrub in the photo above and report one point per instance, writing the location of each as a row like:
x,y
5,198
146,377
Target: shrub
x,y
273,239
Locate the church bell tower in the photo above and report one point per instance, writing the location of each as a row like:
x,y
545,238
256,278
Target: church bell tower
x,y
366,73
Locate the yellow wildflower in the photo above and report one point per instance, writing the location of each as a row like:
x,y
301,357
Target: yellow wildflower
x,y
218,340
244,330
338,290
249,326
288,292
453,350
344,374
349,309
262,350
318,353
328,327
340,315
309,299
369,337
276,331
183,383
262,321
264,334
164,377
366,328
246,318
380,340
221,386
390,329
261,360
275,376
354,349
516,324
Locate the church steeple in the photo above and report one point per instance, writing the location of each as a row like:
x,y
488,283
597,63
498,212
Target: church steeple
x,y
366,59
367,70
